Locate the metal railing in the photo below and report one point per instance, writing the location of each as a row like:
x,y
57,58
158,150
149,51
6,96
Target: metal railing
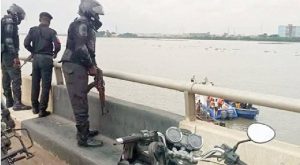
x,y
190,89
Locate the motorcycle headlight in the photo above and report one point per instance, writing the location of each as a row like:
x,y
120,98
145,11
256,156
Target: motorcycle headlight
x,y
173,134
194,141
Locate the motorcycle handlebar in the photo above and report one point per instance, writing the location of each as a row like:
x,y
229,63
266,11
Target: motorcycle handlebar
x,y
129,139
213,154
184,155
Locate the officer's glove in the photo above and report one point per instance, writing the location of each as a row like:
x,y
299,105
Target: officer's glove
x,y
92,71
16,63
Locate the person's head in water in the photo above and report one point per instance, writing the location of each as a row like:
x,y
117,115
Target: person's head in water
x,y
45,18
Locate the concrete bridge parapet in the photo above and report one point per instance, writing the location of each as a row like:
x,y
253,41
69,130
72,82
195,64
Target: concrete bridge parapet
x,y
125,118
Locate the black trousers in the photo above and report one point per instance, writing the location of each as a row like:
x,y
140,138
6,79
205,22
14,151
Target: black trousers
x,y
76,77
42,67
11,79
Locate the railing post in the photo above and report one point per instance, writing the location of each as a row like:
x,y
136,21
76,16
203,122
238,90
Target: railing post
x,y
59,76
190,112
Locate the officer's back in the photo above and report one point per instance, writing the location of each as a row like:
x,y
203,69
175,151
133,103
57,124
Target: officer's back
x,y
43,44
42,38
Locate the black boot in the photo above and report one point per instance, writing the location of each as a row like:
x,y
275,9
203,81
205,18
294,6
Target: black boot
x,y
35,110
93,133
83,137
44,113
9,102
35,107
20,106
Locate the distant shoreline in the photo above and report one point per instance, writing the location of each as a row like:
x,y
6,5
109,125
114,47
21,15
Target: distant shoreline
x,y
224,39
277,40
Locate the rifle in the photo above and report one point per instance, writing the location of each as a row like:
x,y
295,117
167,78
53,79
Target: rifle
x,y
99,85
27,60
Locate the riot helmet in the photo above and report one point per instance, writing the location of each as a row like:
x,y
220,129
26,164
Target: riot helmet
x,y
17,13
91,9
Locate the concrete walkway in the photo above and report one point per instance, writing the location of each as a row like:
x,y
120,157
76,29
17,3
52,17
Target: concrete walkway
x,y
58,136
41,155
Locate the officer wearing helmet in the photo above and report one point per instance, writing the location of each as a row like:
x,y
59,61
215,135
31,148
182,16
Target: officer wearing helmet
x,y
78,63
11,72
43,45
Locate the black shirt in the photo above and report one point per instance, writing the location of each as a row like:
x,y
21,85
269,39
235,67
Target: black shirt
x,y
9,36
81,42
43,39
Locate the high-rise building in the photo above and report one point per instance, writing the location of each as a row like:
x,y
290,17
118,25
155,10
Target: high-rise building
x,y
297,31
289,31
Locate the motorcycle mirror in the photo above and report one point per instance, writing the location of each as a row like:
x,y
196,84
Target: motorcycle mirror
x,y
260,133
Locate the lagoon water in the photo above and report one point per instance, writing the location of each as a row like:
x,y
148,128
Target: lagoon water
x,y
263,67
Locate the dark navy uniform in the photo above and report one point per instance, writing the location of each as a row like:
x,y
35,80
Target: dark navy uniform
x,y
11,72
78,62
77,59
44,45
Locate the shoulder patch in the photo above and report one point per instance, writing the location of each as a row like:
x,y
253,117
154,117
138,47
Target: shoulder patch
x,y
82,29
8,20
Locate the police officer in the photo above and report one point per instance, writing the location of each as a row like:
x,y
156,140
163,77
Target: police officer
x,y
11,72
39,42
79,62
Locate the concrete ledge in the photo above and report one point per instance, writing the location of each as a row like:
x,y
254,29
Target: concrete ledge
x,y
123,119
57,135
271,153
26,93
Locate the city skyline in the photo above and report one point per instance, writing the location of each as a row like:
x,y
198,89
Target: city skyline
x,y
249,17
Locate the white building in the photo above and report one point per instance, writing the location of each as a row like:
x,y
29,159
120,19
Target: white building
x,y
289,31
297,31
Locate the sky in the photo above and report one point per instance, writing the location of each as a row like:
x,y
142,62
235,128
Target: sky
x,y
245,17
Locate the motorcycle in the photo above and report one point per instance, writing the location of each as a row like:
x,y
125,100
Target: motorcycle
x,y
257,133
182,147
8,132
177,146
7,156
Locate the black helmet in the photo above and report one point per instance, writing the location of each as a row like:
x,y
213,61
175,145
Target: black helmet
x,y
17,12
46,14
91,9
